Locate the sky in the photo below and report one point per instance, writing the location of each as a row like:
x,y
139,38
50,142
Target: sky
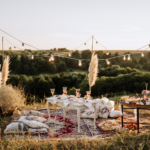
x,y
46,24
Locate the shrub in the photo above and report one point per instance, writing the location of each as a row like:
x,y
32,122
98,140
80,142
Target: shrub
x,y
10,98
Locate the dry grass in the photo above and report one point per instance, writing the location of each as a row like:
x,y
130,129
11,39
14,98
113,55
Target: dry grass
x,y
118,142
10,98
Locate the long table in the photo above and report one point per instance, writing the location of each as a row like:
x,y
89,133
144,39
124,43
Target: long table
x,y
73,105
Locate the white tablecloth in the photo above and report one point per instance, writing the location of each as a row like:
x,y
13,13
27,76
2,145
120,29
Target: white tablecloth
x,y
66,102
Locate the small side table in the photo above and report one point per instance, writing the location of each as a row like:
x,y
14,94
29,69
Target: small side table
x,y
133,106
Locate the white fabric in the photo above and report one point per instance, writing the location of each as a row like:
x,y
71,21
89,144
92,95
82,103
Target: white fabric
x,y
33,124
35,113
115,113
36,118
110,103
16,127
66,102
89,114
36,131
104,111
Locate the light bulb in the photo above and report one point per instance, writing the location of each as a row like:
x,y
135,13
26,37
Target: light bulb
x,y
69,55
14,47
96,42
129,57
80,63
84,43
50,59
124,57
23,46
107,53
32,57
142,54
108,62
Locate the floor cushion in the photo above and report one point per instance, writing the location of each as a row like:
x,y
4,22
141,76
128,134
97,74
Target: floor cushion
x,y
37,131
36,118
115,114
104,111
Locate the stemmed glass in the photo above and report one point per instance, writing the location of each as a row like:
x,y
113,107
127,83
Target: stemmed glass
x,y
64,89
52,91
88,94
65,92
77,91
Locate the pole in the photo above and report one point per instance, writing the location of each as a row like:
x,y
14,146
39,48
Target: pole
x,y
2,50
92,43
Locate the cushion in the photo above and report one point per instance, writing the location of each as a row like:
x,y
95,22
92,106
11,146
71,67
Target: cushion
x,y
88,114
36,118
104,111
33,124
16,127
37,131
114,114
110,103
35,113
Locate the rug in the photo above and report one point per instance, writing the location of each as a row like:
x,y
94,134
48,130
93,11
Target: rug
x,y
68,128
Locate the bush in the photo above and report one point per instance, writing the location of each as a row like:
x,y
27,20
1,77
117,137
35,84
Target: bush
x,y
10,98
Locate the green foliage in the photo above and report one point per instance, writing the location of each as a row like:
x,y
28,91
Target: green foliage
x,y
72,91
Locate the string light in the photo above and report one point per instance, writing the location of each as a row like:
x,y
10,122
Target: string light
x,y
142,54
128,56
107,61
124,57
80,63
69,55
52,57
85,44
32,57
107,53
14,47
96,42
23,46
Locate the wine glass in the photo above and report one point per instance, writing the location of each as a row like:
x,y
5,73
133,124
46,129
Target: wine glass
x,y
52,91
65,93
77,91
64,89
88,94
78,95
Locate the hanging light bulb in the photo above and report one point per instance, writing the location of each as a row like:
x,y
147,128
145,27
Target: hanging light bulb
x,y
142,54
128,56
52,57
32,57
107,61
69,55
96,42
23,46
107,53
85,44
124,57
80,63
14,47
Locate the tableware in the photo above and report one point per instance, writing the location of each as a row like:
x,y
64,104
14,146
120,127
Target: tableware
x,y
52,91
77,91
64,89
78,95
88,94
65,93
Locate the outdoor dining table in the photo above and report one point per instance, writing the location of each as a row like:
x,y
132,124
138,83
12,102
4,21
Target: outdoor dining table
x,y
133,106
65,103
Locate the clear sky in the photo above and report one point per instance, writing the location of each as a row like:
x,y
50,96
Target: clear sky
x,y
116,24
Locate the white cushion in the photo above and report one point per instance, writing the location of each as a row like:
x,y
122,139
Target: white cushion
x,y
36,118
35,113
115,113
16,127
104,111
33,124
89,114
110,103
37,131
